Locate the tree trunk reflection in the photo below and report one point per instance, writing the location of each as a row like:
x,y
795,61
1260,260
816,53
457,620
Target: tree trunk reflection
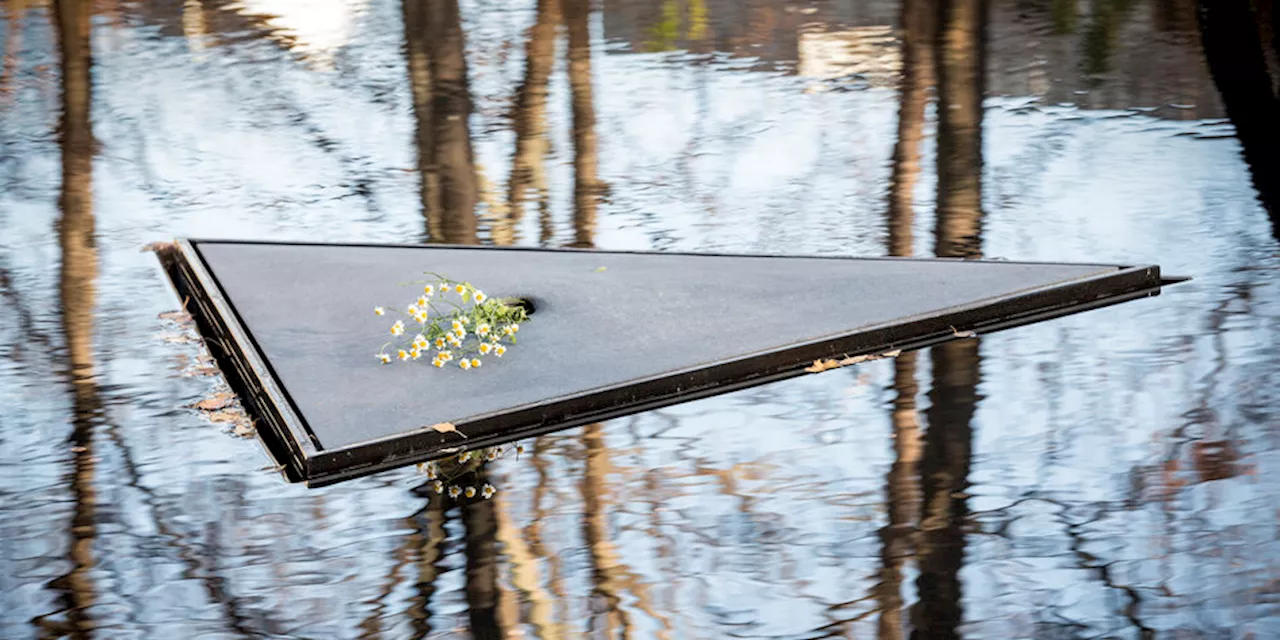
x,y
1232,36
947,452
918,23
528,171
484,597
960,64
431,539
434,47
585,182
77,293
595,533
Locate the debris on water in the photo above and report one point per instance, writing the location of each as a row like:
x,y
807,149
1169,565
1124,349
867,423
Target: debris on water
x,y
963,334
200,371
180,338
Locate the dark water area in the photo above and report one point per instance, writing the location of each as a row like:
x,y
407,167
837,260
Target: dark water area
x,y
1105,475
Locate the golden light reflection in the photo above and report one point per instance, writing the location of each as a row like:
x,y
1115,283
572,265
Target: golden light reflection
x,y
871,52
315,29
194,26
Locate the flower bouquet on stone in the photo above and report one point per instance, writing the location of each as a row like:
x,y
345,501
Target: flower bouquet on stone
x,y
451,321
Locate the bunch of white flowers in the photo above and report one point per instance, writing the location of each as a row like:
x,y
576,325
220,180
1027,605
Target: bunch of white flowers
x,y
457,320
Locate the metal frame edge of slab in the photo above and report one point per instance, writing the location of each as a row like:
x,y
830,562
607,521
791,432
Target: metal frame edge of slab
x,y
292,445
287,440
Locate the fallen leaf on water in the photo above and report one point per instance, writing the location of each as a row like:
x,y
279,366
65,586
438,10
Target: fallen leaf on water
x,y
819,366
447,427
963,334
156,246
241,424
215,401
226,415
601,269
176,316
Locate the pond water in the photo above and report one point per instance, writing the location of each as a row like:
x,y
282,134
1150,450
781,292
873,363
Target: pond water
x,y
1109,474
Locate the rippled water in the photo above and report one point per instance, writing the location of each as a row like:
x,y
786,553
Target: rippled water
x,y
1103,475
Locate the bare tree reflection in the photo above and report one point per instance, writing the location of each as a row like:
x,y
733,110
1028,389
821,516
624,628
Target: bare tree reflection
x,y
917,76
902,488
483,593
595,532
944,472
585,182
1106,19
902,495
1232,36
532,143
533,530
525,574
960,64
428,555
437,63
944,462
77,293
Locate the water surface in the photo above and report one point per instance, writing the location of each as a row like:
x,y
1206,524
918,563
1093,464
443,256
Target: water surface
x,y
1106,475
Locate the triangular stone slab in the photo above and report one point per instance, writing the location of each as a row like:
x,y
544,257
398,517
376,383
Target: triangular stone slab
x,y
612,333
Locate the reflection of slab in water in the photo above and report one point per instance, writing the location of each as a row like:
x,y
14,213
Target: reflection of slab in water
x,y
292,327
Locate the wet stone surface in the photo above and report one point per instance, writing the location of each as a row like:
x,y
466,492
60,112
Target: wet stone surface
x,y
1101,475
